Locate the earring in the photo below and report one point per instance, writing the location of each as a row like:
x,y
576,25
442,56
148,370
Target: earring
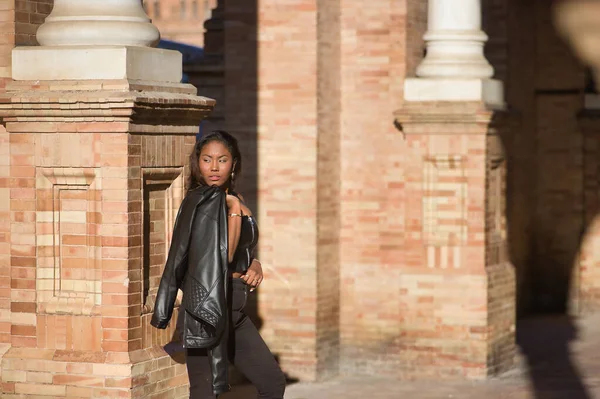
x,y
232,176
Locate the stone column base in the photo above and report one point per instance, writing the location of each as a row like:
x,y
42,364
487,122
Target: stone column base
x,y
96,63
487,91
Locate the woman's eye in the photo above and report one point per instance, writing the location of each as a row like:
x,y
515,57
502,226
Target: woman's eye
x,y
206,160
223,160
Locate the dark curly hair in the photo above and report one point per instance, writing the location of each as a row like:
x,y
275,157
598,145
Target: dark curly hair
x,y
195,178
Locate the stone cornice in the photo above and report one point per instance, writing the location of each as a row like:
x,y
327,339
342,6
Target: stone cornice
x,y
139,103
450,118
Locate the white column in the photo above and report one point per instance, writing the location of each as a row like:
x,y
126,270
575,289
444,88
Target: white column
x,y
454,68
98,22
455,41
97,40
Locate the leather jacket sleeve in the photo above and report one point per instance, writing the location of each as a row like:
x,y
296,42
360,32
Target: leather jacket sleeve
x,y
176,265
219,365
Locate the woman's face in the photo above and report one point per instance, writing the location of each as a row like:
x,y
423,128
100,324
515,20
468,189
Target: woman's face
x,y
216,163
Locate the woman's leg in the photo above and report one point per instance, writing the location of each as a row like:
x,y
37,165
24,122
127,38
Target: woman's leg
x,y
199,373
252,357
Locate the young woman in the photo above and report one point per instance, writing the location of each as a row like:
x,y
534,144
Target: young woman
x,y
211,260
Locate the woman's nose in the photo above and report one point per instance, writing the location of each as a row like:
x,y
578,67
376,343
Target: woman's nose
x,y
214,165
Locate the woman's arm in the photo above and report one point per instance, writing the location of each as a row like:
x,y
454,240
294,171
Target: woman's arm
x,y
234,224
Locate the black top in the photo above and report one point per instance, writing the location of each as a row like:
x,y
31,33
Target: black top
x,y
244,253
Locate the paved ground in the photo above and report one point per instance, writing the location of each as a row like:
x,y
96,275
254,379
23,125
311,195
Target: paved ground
x,y
559,359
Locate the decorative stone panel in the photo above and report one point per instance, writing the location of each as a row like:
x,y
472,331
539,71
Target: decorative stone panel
x,y
162,194
444,210
68,243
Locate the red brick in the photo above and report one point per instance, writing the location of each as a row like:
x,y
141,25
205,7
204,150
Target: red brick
x,y
29,331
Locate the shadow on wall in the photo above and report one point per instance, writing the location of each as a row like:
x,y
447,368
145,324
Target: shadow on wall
x,y
545,85
228,72
240,102
545,341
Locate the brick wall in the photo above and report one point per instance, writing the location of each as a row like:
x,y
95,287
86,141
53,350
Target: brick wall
x,y
7,36
414,22
378,301
558,219
501,276
366,250
374,45
5,173
286,123
298,150
6,44
29,15
18,20
519,143
544,87
208,75
329,122
180,20
588,278
494,23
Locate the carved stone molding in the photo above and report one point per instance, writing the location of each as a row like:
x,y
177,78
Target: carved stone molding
x,y
132,103
68,217
162,196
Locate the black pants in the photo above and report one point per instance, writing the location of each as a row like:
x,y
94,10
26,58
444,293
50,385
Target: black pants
x,y
248,353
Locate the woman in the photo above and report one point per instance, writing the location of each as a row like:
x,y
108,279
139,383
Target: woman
x,y
211,260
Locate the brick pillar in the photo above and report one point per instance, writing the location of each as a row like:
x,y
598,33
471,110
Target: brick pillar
x,y
20,20
458,285
587,284
98,154
372,193
101,166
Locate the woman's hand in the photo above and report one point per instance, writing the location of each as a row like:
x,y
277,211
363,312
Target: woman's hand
x,y
254,276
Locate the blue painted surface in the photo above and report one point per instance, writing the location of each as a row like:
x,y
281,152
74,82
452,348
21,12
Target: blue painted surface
x,y
191,55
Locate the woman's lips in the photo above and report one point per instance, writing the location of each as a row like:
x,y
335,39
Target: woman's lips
x,y
214,178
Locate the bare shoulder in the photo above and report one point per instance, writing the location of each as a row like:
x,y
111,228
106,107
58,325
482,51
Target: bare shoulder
x,y
245,208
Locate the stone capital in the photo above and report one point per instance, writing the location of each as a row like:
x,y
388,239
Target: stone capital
x,y
445,117
96,62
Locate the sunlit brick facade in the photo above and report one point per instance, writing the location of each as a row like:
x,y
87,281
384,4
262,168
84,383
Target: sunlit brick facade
x,y
400,235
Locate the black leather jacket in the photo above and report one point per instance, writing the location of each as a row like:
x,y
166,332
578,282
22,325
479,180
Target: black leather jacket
x,y
197,263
